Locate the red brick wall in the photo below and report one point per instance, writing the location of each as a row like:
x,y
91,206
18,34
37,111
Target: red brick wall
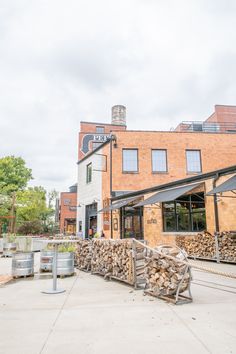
x,y
90,128
217,151
65,211
223,114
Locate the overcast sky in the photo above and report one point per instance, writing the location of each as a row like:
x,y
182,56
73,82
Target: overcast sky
x,y
66,61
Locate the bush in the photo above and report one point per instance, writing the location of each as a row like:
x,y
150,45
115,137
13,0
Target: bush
x,y
30,227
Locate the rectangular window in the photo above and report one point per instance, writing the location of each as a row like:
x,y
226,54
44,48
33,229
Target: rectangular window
x,y
96,144
185,214
100,130
89,173
159,160
66,201
193,159
130,160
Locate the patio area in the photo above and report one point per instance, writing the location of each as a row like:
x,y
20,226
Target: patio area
x,y
94,316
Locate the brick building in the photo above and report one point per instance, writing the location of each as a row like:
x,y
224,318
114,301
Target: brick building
x,y
221,120
67,211
129,161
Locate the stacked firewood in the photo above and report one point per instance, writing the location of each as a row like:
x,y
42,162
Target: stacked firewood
x,y
113,258
84,255
101,262
122,260
227,246
166,276
202,245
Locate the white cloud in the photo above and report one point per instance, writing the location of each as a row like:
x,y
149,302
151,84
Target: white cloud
x,y
66,61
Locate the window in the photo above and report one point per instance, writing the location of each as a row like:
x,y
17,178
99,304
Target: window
x,y
193,158
185,214
130,160
159,161
89,173
96,144
66,201
100,130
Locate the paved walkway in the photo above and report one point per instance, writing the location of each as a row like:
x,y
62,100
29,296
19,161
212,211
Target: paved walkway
x,y
95,316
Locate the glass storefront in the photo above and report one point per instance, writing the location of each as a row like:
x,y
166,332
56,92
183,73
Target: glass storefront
x,y
131,221
187,213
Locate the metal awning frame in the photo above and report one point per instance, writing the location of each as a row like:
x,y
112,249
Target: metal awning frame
x,y
175,189
118,205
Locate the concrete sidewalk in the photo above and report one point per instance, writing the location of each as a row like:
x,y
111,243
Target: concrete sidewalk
x,y
95,316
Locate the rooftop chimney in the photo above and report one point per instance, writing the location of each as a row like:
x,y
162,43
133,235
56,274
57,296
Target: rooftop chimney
x,y
118,115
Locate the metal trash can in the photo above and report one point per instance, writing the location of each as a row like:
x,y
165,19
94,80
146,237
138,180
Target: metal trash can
x,y
22,264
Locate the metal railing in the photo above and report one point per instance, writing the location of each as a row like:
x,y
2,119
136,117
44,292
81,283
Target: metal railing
x,y
209,127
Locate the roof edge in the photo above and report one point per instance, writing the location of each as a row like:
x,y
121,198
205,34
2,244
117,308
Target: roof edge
x,y
203,176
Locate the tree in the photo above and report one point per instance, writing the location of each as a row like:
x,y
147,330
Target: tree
x,y
33,214
31,204
14,175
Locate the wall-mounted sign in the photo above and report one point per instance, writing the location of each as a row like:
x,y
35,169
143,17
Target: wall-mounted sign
x,y
106,215
152,221
72,208
99,138
115,224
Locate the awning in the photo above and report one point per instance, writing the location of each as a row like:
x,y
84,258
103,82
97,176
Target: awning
x,y
168,194
227,186
118,205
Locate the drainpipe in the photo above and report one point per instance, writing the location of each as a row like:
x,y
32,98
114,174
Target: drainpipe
x,y
113,138
217,227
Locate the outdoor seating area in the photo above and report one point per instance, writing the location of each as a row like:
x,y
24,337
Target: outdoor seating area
x,y
117,315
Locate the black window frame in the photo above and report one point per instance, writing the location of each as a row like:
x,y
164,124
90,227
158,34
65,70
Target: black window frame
x,y
156,171
200,156
191,212
133,149
96,144
89,173
100,127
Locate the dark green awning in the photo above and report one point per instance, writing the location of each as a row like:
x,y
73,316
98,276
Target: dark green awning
x,y
168,194
118,205
229,185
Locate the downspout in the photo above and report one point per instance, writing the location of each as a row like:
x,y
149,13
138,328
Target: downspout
x,y
113,139
111,221
217,227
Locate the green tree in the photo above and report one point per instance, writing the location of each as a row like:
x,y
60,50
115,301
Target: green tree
x,y
31,204
14,175
33,214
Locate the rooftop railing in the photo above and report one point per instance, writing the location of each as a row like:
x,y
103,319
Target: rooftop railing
x,y
209,127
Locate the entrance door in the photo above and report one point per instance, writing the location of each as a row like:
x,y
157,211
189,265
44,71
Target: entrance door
x,y
132,222
91,220
93,225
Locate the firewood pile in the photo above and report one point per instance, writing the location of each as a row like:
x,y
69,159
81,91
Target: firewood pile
x,y
113,258
200,246
227,246
166,276
84,255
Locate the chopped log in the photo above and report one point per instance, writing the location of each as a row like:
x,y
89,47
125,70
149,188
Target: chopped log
x,y
165,276
113,258
227,246
203,245
84,255
200,246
